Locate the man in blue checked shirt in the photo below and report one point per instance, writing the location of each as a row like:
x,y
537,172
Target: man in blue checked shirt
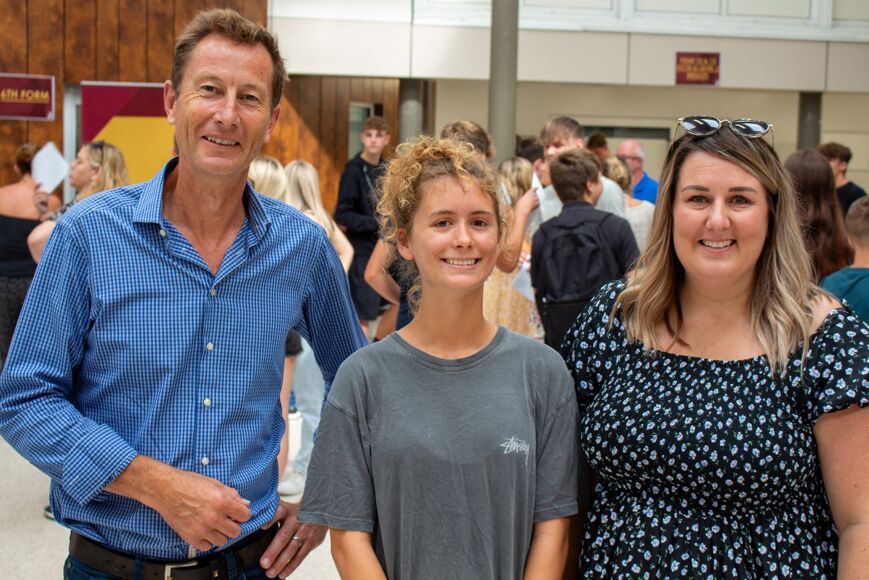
x,y
145,370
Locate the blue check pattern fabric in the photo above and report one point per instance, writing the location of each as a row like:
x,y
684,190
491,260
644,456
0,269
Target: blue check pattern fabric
x,y
128,344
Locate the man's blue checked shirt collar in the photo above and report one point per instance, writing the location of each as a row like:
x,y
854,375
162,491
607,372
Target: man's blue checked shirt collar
x,y
128,344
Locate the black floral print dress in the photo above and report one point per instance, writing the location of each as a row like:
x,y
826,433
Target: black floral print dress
x,y
709,468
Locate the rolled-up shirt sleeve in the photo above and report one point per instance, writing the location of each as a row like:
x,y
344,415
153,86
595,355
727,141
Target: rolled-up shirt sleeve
x,y
38,416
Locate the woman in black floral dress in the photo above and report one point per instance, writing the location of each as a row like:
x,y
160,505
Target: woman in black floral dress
x,y
722,393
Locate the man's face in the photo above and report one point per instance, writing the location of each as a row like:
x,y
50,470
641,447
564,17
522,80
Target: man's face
x,y
222,110
629,154
839,167
374,141
557,144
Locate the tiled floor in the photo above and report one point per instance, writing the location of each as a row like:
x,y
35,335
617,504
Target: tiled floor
x,y
34,548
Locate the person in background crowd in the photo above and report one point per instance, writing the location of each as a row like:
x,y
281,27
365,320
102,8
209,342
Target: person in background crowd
x,y
580,249
144,378
722,394
452,432
304,194
18,216
839,157
639,213
502,304
598,145
852,282
354,212
97,167
557,135
823,225
643,187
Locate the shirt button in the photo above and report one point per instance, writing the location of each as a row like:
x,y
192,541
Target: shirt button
x,y
162,233
207,402
204,461
213,292
209,346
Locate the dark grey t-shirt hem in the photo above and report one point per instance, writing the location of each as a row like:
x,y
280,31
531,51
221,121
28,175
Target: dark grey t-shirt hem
x,y
555,512
339,523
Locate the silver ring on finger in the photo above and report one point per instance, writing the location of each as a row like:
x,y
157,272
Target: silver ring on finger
x,y
298,539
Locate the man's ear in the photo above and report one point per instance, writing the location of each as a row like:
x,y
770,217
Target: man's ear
x,y
386,140
403,244
276,113
579,143
169,99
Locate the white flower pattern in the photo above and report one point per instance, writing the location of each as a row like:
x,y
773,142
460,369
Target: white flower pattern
x,y
708,468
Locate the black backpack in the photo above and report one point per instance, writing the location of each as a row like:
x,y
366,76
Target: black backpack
x,y
574,265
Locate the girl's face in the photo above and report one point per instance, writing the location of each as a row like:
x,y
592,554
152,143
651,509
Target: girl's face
x,y
81,172
453,237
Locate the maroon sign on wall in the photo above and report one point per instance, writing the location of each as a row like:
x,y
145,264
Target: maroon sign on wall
x,y
697,68
26,97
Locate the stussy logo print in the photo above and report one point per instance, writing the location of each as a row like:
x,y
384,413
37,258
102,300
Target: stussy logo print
x,y
514,445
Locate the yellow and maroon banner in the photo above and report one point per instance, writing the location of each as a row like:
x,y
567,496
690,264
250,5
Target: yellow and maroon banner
x,y
131,117
26,97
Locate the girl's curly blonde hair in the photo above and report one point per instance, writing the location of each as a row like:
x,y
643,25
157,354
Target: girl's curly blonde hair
x,y
415,164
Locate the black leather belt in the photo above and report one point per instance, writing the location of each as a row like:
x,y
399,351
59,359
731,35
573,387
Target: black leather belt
x,y
210,567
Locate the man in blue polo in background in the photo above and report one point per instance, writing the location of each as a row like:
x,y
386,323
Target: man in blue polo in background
x,y
643,187
145,371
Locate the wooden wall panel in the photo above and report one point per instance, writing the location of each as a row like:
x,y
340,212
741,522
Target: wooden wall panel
x,y
309,113
133,49
46,56
79,51
161,39
108,40
331,164
13,59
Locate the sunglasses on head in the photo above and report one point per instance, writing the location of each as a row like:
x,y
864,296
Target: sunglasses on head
x,y
706,125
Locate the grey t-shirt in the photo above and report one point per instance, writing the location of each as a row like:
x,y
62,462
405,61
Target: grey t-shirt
x,y
447,462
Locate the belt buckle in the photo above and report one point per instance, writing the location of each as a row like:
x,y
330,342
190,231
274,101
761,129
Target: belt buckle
x,y
167,570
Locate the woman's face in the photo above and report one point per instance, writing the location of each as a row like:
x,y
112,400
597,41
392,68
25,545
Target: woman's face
x,y
81,172
720,221
453,237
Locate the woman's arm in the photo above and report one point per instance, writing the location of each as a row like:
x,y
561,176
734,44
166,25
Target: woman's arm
x,y
354,556
377,277
38,237
342,247
549,548
509,256
843,437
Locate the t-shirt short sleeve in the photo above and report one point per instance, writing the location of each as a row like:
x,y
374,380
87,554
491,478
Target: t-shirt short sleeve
x,y
837,365
591,342
339,492
557,448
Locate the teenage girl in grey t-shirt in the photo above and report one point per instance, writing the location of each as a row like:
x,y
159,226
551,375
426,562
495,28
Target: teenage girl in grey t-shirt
x,y
449,449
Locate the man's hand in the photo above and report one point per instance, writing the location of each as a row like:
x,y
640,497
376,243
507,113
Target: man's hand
x,y
292,543
203,511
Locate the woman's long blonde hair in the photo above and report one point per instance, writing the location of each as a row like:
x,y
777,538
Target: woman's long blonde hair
x,y
109,163
268,178
781,303
304,193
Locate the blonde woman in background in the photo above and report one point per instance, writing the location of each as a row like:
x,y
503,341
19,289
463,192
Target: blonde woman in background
x,y
639,213
304,195
98,166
